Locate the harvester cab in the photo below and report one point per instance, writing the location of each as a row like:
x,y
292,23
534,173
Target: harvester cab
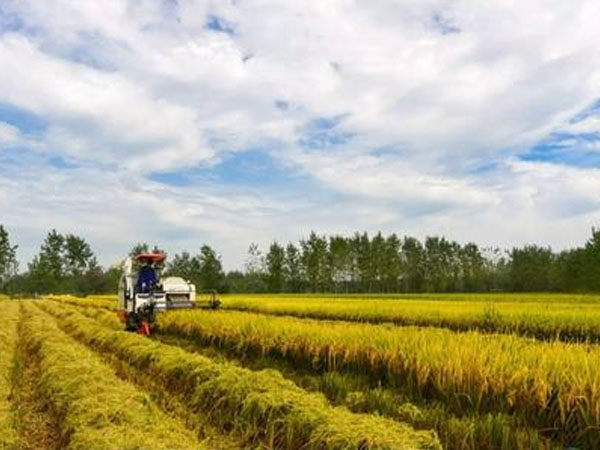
x,y
142,292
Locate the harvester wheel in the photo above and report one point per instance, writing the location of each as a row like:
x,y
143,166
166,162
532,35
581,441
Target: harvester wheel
x,y
132,322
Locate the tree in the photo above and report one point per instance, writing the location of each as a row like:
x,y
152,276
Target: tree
x,y
360,246
293,268
413,261
186,266
47,268
391,269
439,268
531,268
255,270
78,256
473,266
140,247
314,260
211,271
340,262
592,261
275,264
8,258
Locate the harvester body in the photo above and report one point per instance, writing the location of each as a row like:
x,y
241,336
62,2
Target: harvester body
x,y
141,300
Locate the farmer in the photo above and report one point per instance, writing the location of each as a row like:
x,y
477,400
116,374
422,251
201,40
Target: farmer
x,y
147,277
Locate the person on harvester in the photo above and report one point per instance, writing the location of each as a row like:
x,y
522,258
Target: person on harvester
x,y
147,278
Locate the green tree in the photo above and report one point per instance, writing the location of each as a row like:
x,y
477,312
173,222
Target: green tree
x,y
8,258
275,265
360,246
413,262
47,268
186,266
340,261
255,270
211,271
314,255
293,268
473,268
140,247
78,257
391,267
531,268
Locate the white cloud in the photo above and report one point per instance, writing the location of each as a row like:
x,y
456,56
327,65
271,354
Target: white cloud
x,y
426,94
8,134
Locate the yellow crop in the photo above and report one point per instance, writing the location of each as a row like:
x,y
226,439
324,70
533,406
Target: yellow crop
x,y
551,385
9,314
263,406
544,316
94,409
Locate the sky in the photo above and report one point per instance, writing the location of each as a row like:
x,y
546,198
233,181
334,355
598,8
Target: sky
x,y
184,122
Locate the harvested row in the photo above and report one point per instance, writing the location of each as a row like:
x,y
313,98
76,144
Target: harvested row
x,y
475,432
551,386
93,409
167,399
560,319
262,406
92,302
489,431
9,316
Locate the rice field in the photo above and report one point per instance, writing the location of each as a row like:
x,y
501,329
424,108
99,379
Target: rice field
x,y
307,372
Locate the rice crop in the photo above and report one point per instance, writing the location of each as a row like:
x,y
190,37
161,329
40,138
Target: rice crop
x,y
552,386
543,316
104,302
92,408
9,315
262,406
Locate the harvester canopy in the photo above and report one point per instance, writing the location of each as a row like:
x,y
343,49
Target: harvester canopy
x,y
155,257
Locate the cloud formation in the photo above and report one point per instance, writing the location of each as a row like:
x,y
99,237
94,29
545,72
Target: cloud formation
x,y
127,120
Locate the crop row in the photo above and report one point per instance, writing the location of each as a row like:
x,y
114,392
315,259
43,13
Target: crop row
x,y
488,431
482,297
89,302
563,320
260,405
560,318
552,386
92,408
9,315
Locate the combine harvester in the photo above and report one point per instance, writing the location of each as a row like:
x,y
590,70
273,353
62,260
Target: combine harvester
x,y
142,293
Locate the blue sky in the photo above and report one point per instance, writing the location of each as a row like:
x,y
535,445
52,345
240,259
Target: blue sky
x,y
223,122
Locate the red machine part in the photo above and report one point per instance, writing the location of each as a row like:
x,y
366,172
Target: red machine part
x,y
151,256
144,329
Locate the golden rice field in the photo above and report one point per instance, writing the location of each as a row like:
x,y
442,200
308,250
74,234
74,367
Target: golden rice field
x,y
305,372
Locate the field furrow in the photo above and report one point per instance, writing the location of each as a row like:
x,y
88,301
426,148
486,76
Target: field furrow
x,y
91,407
551,386
262,406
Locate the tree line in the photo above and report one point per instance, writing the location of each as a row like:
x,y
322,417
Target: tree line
x,y
360,263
